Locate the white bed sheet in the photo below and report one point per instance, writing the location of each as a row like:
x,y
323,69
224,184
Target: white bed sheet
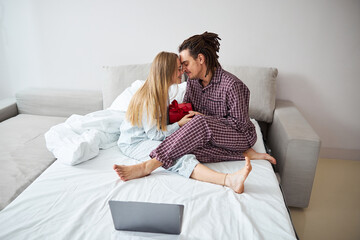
x,y
71,202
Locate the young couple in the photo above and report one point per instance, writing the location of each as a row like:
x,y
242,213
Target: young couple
x,y
219,128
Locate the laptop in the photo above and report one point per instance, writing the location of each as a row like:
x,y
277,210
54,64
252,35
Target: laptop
x,y
147,217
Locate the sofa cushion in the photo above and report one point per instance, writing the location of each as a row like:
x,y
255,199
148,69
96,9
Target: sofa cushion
x,y
118,78
8,108
23,153
56,102
260,81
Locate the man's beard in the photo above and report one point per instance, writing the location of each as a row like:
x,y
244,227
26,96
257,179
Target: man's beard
x,y
190,78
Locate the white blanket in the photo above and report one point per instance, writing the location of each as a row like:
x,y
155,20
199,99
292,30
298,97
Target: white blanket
x,y
80,137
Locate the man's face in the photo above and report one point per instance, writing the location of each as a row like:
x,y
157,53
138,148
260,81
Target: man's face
x,y
191,66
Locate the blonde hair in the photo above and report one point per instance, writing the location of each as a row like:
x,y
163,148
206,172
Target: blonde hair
x,y
153,95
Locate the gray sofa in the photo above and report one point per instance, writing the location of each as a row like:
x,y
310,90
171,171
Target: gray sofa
x,y
24,120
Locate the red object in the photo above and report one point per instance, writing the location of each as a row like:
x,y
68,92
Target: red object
x,y
178,111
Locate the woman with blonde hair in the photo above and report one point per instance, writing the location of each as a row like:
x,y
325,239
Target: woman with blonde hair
x,y
145,127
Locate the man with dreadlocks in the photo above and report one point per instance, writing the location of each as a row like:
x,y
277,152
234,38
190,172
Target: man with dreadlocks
x,y
221,129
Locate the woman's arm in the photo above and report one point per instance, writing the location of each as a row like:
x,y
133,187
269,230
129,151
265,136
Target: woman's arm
x,y
155,134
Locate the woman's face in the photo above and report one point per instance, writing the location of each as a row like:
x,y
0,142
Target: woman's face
x,y
178,73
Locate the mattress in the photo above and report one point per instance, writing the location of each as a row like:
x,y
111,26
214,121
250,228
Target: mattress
x,y
71,202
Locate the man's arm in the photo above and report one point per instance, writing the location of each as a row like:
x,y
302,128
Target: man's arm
x,y
237,102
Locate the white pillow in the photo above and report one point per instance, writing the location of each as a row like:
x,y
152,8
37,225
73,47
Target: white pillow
x,y
121,103
177,92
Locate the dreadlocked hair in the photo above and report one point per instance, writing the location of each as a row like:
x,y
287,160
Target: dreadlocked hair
x,y
206,44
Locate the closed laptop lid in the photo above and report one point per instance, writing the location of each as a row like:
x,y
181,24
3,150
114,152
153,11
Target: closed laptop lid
x,y
147,217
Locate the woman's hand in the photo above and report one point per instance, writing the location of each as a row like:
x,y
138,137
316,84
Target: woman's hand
x,y
186,118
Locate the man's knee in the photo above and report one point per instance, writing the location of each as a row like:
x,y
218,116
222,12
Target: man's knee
x,y
197,120
196,127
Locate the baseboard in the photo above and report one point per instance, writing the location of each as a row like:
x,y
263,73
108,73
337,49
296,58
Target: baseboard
x,y
340,153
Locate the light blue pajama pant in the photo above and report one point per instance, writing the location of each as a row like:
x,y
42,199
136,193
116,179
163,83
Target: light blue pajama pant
x,y
140,151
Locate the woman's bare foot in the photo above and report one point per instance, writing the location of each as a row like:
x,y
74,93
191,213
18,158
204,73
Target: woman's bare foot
x,y
236,180
130,172
140,170
251,154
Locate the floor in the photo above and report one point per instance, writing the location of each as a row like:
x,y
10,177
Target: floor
x,y
334,209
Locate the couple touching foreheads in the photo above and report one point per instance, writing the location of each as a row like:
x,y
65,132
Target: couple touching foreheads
x,y
219,128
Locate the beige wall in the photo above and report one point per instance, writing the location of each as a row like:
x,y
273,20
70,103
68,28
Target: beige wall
x,y
314,44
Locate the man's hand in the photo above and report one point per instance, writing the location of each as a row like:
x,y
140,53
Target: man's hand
x,y
186,118
195,113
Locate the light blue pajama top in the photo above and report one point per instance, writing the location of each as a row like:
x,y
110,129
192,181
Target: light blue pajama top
x,y
130,134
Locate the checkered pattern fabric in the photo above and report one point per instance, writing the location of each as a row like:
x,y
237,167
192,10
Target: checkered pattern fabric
x,y
223,133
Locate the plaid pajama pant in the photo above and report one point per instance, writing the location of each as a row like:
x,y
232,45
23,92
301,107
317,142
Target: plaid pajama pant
x,y
208,139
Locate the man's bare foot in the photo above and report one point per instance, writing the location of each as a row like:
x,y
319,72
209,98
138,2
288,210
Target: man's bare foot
x,y
236,180
251,154
131,172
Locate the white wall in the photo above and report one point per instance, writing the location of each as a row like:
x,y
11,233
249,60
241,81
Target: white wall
x,y
314,44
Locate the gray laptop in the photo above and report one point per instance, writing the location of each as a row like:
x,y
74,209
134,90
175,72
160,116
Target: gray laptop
x,y
147,217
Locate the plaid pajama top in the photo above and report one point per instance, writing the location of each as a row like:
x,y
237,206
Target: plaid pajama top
x,y
226,98
223,133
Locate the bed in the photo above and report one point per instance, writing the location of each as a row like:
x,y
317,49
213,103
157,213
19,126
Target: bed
x,y
71,201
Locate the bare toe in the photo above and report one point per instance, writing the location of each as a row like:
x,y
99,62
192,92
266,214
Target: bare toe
x,y
115,166
270,159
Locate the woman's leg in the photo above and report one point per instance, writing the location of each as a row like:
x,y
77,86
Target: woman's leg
x,y
235,180
138,152
184,166
187,166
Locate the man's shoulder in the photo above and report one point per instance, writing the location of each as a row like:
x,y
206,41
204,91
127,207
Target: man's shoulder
x,y
230,78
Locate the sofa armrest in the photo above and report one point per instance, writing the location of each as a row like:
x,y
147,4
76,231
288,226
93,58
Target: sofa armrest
x,y
8,109
296,146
